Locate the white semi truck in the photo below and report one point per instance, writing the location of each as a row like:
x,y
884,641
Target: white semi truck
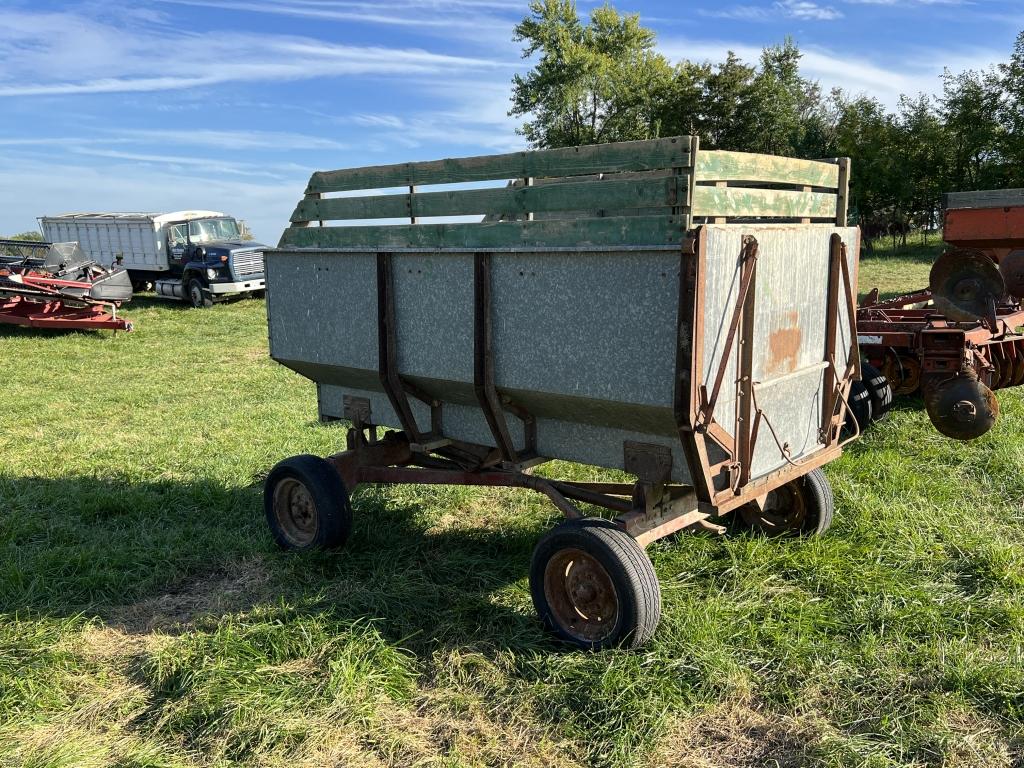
x,y
194,256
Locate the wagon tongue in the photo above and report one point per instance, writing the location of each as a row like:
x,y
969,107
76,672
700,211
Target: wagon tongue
x,y
966,285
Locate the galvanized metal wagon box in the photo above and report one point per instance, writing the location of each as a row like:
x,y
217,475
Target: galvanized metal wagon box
x,y
683,315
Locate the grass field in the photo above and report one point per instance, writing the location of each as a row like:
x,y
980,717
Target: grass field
x,y
146,619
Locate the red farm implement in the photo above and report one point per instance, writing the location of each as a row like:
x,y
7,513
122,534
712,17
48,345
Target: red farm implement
x,y
55,285
959,339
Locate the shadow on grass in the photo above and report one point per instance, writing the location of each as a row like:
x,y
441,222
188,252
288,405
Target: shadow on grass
x,y
170,555
22,331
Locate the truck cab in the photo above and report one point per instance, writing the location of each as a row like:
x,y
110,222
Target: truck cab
x,y
210,259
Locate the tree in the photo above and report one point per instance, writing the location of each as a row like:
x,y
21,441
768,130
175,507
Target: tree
x,y
970,107
725,121
921,153
864,131
1011,114
30,235
780,102
593,82
679,109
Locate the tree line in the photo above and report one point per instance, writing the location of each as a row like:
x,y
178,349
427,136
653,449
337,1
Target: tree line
x,y
602,79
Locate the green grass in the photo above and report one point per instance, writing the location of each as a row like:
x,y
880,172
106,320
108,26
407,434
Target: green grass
x,y
147,619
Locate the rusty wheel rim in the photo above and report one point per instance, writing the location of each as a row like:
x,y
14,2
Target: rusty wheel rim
x,y
581,595
295,511
903,373
785,511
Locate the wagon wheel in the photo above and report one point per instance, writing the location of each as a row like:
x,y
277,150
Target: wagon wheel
x,y
800,507
306,504
593,586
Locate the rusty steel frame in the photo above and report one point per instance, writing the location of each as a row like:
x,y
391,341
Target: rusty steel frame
x,y
643,511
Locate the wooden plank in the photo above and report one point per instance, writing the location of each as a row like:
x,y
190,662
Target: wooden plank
x,y
720,185
745,201
616,230
843,193
716,165
568,161
575,196
306,222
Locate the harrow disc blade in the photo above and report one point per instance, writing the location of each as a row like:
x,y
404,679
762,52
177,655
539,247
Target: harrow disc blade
x,y
1011,267
965,284
1018,369
961,407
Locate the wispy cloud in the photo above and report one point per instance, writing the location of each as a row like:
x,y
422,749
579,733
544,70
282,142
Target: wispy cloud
x,y
804,9
792,9
233,140
910,3
44,54
212,167
402,13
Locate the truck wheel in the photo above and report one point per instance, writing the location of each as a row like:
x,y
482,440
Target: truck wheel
x,y
594,587
197,294
879,391
306,504
800,507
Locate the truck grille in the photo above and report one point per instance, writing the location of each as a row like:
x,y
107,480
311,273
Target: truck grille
x,y
247,263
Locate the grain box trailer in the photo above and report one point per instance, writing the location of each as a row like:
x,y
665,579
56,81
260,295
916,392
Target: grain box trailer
x,y
684,316
194,256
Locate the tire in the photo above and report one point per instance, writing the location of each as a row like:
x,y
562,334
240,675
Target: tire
x,y
858,417
801,507
197,295
307,505
594,587
879,391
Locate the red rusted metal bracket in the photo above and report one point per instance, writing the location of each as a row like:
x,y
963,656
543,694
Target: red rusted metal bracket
x,y
642,513
748,269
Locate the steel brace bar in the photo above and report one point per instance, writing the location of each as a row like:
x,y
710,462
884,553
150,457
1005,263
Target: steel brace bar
x,y
491,402
748,260
387,357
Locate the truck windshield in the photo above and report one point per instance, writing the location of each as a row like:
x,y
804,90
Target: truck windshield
x,y
210,230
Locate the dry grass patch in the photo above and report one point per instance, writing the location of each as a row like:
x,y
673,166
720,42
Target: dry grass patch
x,y
973,741
225,590
736,735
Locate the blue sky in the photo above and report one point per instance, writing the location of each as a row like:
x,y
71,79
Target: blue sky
x,y
230,104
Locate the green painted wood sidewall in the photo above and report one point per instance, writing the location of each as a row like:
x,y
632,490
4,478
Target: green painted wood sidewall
x,y
548,163
595,195
615,230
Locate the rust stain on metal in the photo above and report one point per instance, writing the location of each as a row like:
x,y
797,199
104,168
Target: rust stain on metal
x,y
784,346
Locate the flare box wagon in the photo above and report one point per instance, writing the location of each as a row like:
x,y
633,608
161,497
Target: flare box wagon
x,y
684,316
